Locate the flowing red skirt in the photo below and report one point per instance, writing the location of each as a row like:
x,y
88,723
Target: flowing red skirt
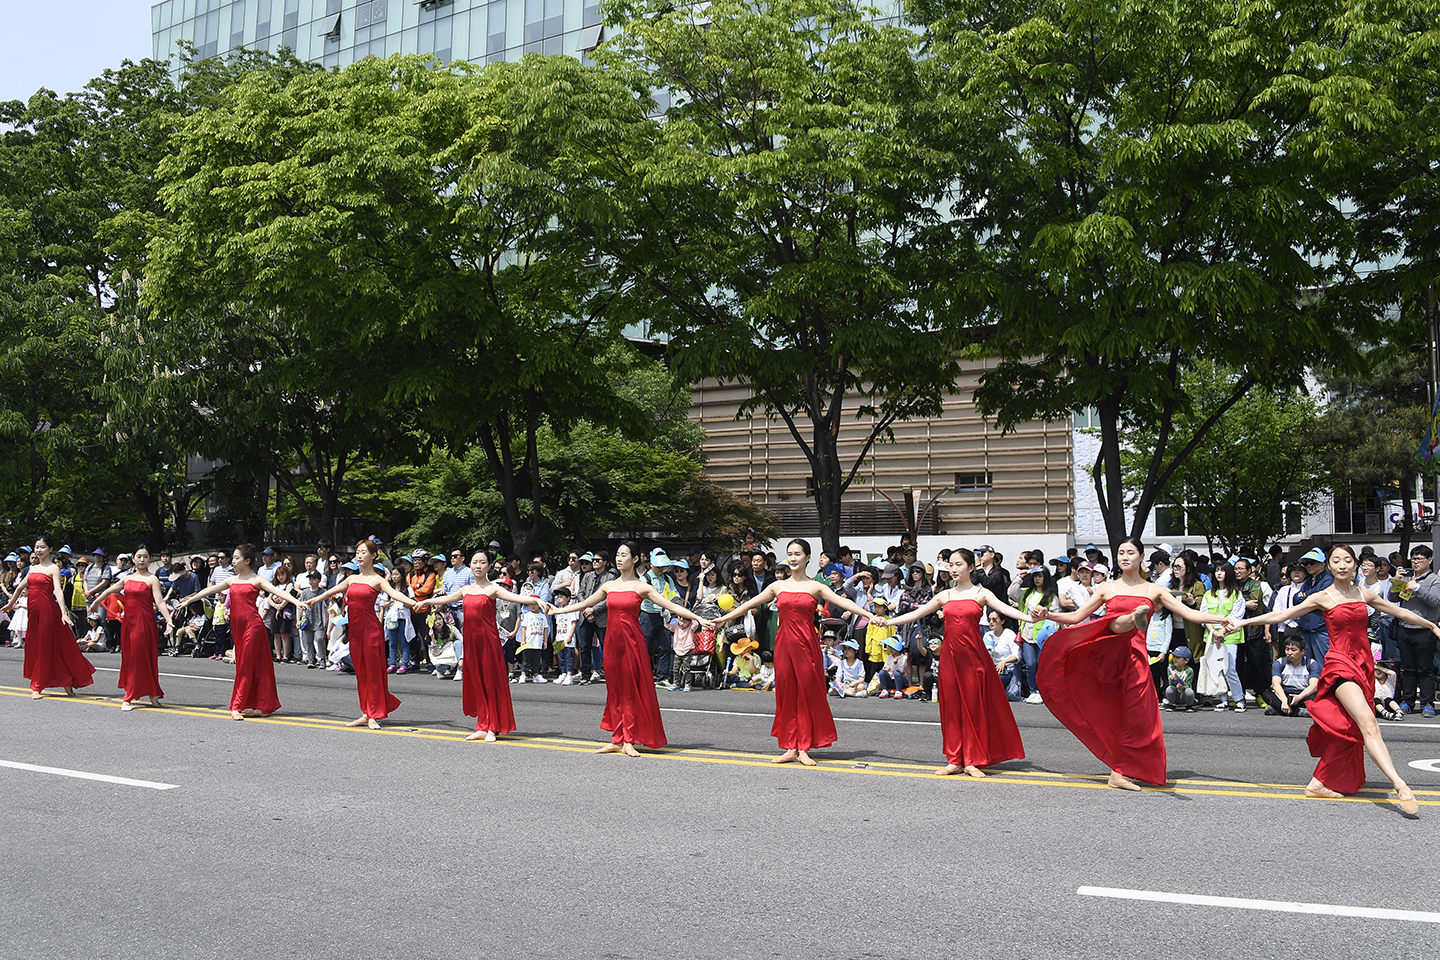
x,y
802,713
1098,684
484,681
139,644
254,663
367,653
1334,736
977,725
632,711
52,657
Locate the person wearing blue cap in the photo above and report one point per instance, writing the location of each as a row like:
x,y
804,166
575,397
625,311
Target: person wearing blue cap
x,y
1180,681
1312,625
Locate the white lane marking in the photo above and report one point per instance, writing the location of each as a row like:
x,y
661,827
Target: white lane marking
x,y
181,676
771,716
82,775
1431,765
1278,906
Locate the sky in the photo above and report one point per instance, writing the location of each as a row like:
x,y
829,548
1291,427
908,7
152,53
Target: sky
x,y
63,44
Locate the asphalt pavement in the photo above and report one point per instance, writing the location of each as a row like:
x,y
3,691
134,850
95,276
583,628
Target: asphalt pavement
x,y
297,837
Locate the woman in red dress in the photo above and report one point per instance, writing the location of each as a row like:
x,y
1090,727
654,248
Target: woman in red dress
x,y
139,637
52,657
802,713
254,693
1096,680
977,725
367,639
632,712
484,680
1342,713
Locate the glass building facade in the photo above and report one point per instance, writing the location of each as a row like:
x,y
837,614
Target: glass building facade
x,y
337,33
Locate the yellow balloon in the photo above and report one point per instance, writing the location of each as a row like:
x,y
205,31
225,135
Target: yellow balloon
x,y
725,602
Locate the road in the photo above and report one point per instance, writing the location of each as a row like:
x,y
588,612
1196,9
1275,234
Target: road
x,y
297,837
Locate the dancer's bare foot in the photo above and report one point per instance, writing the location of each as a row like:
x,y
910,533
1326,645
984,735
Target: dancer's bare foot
x,y
127,705
949,770
69,691
1121,782
974,771
252,712
359,721
1139,619
1408,804
629,750
1318,791
236,715
805,759
479,735
373,724
789,756
36,695
155,702
609,748
490,736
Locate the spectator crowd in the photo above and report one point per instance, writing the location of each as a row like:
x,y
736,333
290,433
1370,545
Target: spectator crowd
x,y
1194,667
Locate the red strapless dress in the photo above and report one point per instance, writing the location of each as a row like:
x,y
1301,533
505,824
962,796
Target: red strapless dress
x,y
802,713
632,711
484,681
254,661
1098,684
976,722
367,652
1334,736
52,657
139,643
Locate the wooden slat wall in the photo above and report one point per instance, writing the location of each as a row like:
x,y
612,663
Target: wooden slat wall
x,y
1032,467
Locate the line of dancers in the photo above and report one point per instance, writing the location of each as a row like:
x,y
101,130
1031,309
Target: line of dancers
x,y
1094,674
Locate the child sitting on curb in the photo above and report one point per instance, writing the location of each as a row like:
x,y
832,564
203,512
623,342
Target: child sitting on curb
x,y
1180,681
850,674
744,664
765,679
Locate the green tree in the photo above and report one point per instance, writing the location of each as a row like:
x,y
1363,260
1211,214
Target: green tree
x,y
1379,421
777,217
1152,196
1261,455
421,215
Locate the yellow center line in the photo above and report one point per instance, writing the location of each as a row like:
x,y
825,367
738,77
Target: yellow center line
x,y
881,768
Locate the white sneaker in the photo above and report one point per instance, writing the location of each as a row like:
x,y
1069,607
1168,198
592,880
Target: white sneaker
x,y
595,677
457,678
539,679
520,678
1240,706
568,680
1221,707
1034,698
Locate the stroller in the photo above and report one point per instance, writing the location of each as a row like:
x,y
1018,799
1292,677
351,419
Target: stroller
x,y
704,668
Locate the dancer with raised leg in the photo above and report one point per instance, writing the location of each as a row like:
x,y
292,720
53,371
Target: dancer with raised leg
x,y
977,726
485,686
254,694
1096,680
139,637
803,720
1342,713
367,639
632,712
52,658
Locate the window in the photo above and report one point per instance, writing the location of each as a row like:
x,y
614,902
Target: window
x,y
330,27
495,28
1350,514
974,482
1170,521
237,25
292,19
1087,419
544,18
379,11
590,38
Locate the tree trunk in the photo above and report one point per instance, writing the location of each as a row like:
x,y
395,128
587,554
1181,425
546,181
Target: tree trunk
x,y
827,489
1107,473
149,504
528,539
1407,522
